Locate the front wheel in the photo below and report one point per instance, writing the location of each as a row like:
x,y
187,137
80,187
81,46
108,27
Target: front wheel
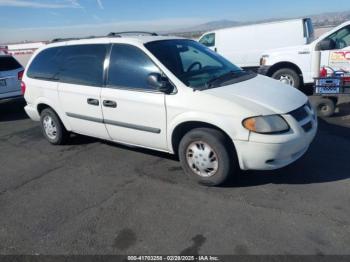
x,y
288,76
205,156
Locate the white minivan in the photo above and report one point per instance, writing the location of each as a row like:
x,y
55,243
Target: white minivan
x,y
172,95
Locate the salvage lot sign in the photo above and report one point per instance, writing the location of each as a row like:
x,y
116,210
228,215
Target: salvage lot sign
x,y
340,60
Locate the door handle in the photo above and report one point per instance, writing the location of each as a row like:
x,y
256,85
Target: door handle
x,y
92,101
109,103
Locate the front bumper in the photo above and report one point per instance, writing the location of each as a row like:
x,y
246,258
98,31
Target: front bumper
x,y
269,152
263,156
263,70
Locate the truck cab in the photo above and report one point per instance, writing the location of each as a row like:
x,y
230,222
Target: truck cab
x,y
298,65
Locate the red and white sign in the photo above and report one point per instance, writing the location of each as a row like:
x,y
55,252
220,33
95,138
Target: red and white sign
x,y
340,60
3,49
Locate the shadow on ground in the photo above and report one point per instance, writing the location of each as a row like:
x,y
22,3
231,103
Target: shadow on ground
x,y
344,110
12,110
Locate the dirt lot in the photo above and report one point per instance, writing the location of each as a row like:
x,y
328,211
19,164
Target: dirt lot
x,y
94,197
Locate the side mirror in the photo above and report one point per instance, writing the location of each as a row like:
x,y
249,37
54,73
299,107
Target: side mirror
x,y
159,82
326,44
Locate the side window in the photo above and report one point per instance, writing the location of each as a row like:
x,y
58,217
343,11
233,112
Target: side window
x,y
341,38
83,64
129,68
308,30
208,40
46,64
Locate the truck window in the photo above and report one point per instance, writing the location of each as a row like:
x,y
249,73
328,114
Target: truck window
x,y
208,40
341,37
309,33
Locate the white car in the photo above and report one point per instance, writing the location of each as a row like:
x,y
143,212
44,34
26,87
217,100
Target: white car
x,y
11,73
172,95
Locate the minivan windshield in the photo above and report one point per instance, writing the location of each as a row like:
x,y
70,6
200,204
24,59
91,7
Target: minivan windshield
x,y
196,65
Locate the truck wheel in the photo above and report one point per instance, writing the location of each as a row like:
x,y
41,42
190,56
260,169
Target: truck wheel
x,y
325,107
52,127
205,157
288,76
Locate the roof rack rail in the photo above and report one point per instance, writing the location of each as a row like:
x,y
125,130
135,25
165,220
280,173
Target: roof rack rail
x,y
119,34
71,38
62,39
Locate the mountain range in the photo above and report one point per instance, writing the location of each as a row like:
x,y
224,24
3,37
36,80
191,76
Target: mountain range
x,y
319,20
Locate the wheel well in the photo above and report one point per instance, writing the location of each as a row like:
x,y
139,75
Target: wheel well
x,y
183,128
41,107
281,65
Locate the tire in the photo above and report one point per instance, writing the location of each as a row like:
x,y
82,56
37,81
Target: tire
x,y
288,75
193,156
325,107
53,128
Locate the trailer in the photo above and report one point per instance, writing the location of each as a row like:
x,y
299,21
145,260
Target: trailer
x,y
328,89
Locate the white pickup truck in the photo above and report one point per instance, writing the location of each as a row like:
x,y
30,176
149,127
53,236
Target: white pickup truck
x,y
298,65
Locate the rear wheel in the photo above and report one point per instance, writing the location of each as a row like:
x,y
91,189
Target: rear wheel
x,y
52,127
325,107
205,156
288,76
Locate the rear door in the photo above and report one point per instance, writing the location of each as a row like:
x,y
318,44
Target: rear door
x,y
9,75
134,112
80,82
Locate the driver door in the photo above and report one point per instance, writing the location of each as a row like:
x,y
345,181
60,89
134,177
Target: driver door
x,y
338,58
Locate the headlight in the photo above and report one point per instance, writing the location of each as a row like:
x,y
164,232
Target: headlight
x,y
266,124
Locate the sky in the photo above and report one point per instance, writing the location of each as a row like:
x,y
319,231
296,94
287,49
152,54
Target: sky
x,y
34,20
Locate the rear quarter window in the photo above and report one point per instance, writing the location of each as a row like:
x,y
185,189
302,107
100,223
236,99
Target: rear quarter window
x,y
46,64
75,64
8,63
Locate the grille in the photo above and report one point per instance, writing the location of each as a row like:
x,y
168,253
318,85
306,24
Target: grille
x,y
299,114
307,127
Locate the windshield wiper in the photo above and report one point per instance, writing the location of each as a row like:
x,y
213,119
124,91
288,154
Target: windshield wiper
x,y
222,79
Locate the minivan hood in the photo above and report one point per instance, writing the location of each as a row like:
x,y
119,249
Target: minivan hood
x,y
263,92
